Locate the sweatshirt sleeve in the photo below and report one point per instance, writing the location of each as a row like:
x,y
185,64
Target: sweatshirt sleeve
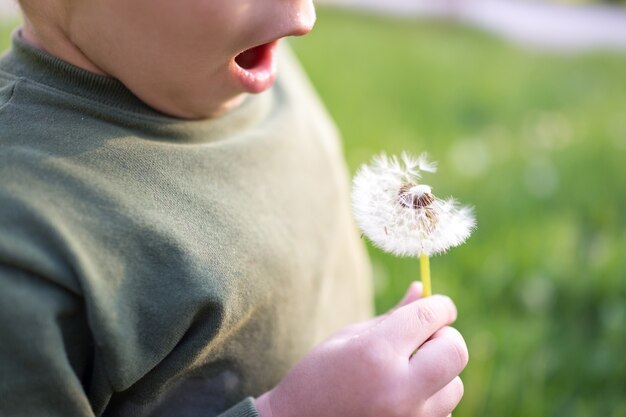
x,y
245,408
43,348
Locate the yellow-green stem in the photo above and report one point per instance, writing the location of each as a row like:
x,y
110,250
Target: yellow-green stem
x,y
425,270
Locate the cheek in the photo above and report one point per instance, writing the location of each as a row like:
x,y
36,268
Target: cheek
x,y
226,24
166,35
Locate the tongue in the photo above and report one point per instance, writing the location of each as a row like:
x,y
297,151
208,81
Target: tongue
x,y
250,58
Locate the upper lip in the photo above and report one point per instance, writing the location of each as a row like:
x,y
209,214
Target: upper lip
x,y
299,28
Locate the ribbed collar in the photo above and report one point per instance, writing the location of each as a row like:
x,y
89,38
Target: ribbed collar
x,y
112,98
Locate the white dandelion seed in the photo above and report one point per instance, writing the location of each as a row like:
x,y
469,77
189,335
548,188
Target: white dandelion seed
x,y
401,215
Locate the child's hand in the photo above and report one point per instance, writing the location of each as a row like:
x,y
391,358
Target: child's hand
x,y
369,369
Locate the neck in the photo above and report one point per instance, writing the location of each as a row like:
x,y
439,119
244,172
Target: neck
x,y
55,42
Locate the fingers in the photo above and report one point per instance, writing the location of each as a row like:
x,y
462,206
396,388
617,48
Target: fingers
x,y
444,401
409,326
439,361
413,293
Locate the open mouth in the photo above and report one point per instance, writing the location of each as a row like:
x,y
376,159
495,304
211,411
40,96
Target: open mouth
x,y
253,57
255,68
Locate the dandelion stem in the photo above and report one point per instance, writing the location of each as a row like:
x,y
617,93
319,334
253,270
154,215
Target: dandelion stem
x,y
425,272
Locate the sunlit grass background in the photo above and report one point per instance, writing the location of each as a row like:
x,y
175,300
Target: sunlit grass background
x,y
536,142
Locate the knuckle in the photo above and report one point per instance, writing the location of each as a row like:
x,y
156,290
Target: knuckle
x,y
435,311
453,362
449,306
449,398
455,394
460,388
426,315
459,348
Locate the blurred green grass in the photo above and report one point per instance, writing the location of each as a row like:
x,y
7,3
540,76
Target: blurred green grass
x,y
537,143
6,27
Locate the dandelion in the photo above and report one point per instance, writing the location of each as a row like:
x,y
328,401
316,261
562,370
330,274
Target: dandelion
x,y
401,215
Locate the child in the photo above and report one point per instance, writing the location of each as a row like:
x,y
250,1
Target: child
x,y
173,243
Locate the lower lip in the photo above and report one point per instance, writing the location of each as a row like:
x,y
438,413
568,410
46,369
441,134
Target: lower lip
x,y
259,72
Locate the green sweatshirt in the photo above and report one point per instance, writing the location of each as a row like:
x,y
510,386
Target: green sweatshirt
x,y
151,266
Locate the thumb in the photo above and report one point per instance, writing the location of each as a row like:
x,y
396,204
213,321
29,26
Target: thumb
x,y
413,293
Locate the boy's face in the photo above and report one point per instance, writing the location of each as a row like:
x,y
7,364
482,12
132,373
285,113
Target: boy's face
x,y
184,57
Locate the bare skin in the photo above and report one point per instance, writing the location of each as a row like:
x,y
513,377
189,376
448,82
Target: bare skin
x,y
196,59
178,57
369,369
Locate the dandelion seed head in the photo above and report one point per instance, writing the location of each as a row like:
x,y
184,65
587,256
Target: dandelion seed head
x,y
400,214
